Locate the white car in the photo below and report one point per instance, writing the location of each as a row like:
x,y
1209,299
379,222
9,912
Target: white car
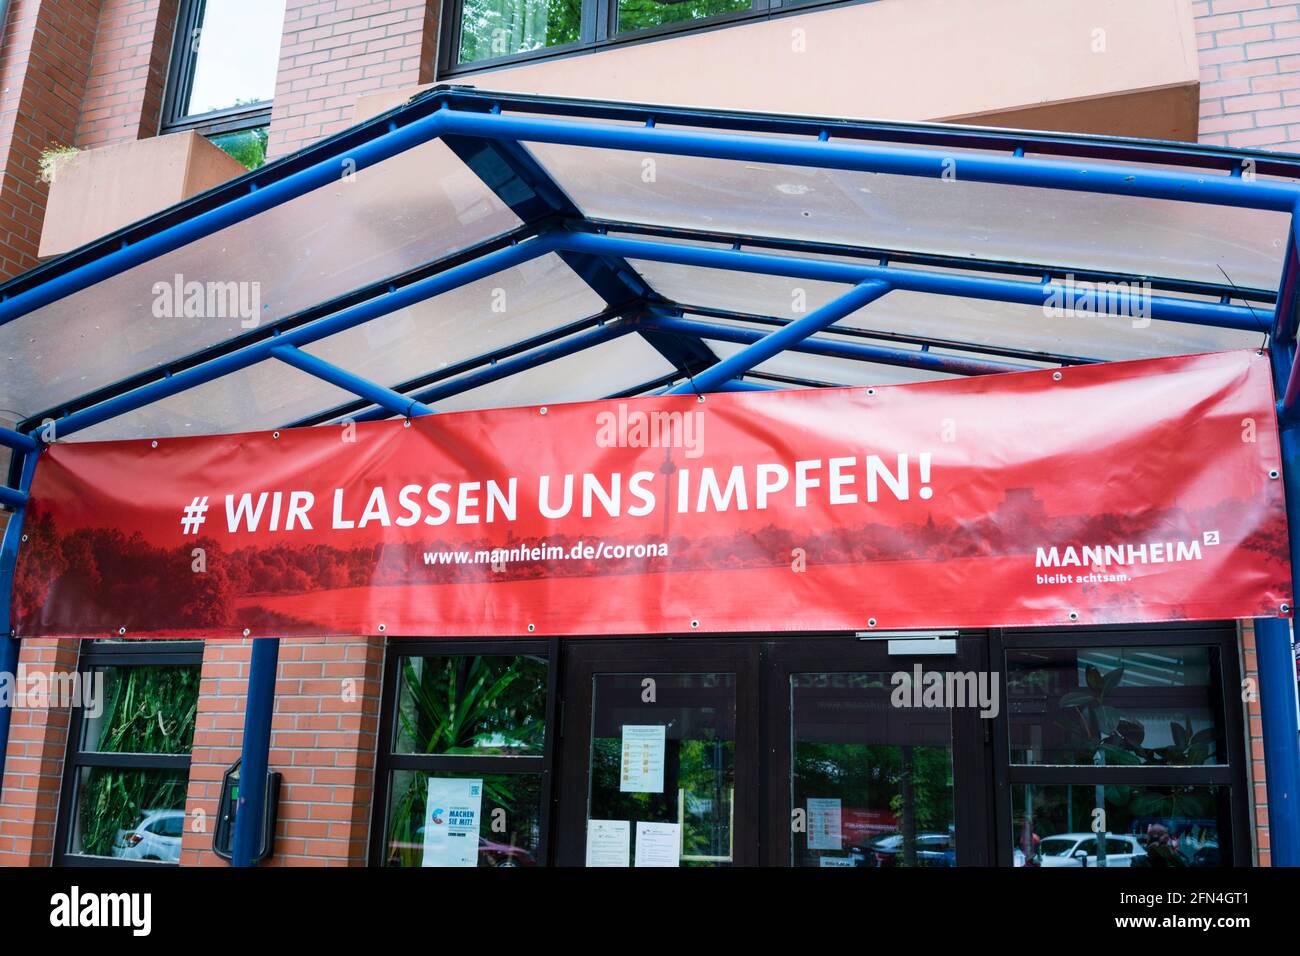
x,y
156,837
1080,849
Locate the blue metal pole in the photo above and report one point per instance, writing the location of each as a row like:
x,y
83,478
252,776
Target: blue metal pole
x,y
856,351
11,498
520,363
395,402
255,753
783,338
453,278
740,385
17,440
1217,189
917,280
9,645
1274,654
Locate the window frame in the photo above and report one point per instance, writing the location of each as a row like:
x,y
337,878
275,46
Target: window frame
x,y
1230,775
596,31
102,654
181,62
387,761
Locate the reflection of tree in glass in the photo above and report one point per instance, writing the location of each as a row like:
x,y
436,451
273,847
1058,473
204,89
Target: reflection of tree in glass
x,y
146,710
640,14
913,783
494,28
247,146
1103,735
702,769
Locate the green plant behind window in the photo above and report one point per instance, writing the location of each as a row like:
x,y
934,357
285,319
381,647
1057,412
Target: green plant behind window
x,y
146,710
247,145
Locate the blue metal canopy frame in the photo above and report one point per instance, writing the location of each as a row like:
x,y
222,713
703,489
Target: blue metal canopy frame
x,y
490,133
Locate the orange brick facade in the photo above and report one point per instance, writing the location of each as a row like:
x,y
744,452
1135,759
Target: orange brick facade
x,y
1250,73
323,740
38,739
128,70
333,51
43,72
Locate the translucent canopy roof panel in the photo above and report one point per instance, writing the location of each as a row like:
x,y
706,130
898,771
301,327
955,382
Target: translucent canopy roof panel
x,y
501,310
1034,225
413,209
383,220
259,397
825,370
602,370
948,318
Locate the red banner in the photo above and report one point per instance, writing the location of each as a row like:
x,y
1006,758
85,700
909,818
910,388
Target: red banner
x,y
1128,492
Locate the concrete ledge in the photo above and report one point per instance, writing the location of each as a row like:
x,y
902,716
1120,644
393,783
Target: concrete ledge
x,y
100,190
1097,66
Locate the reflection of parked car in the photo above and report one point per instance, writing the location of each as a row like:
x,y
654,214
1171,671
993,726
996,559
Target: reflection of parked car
x,y
932,849
156,837
1080,849
489,853
862,856
502,854
1207,855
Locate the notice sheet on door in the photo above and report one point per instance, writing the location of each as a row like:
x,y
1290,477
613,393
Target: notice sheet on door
x,y
608,842
658,844
642,768
451,819
824,824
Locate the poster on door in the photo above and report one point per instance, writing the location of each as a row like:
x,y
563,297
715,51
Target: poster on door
x,y
641,768
451,821
608,842
824,831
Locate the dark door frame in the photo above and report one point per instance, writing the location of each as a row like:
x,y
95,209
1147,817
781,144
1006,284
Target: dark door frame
x,y
971,734
639,655
1222,634
982,776
763,664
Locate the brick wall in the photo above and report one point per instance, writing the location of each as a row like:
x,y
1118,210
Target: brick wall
x,y
323,740
1250,72
38,738
128,71
43,70
1255,747
334,50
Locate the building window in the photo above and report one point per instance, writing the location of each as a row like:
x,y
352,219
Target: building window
x,y
221,80
128,762
489,33
634,15
496,28
1124,754
466,730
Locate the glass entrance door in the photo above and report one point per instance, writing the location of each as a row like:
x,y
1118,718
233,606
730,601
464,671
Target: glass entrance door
x,y
660,754
880,759
871,784
781,751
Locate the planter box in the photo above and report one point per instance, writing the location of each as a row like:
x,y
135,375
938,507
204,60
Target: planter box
x,y
97,191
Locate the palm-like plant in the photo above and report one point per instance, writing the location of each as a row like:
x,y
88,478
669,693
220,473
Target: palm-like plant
x,y
148,710
464,705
